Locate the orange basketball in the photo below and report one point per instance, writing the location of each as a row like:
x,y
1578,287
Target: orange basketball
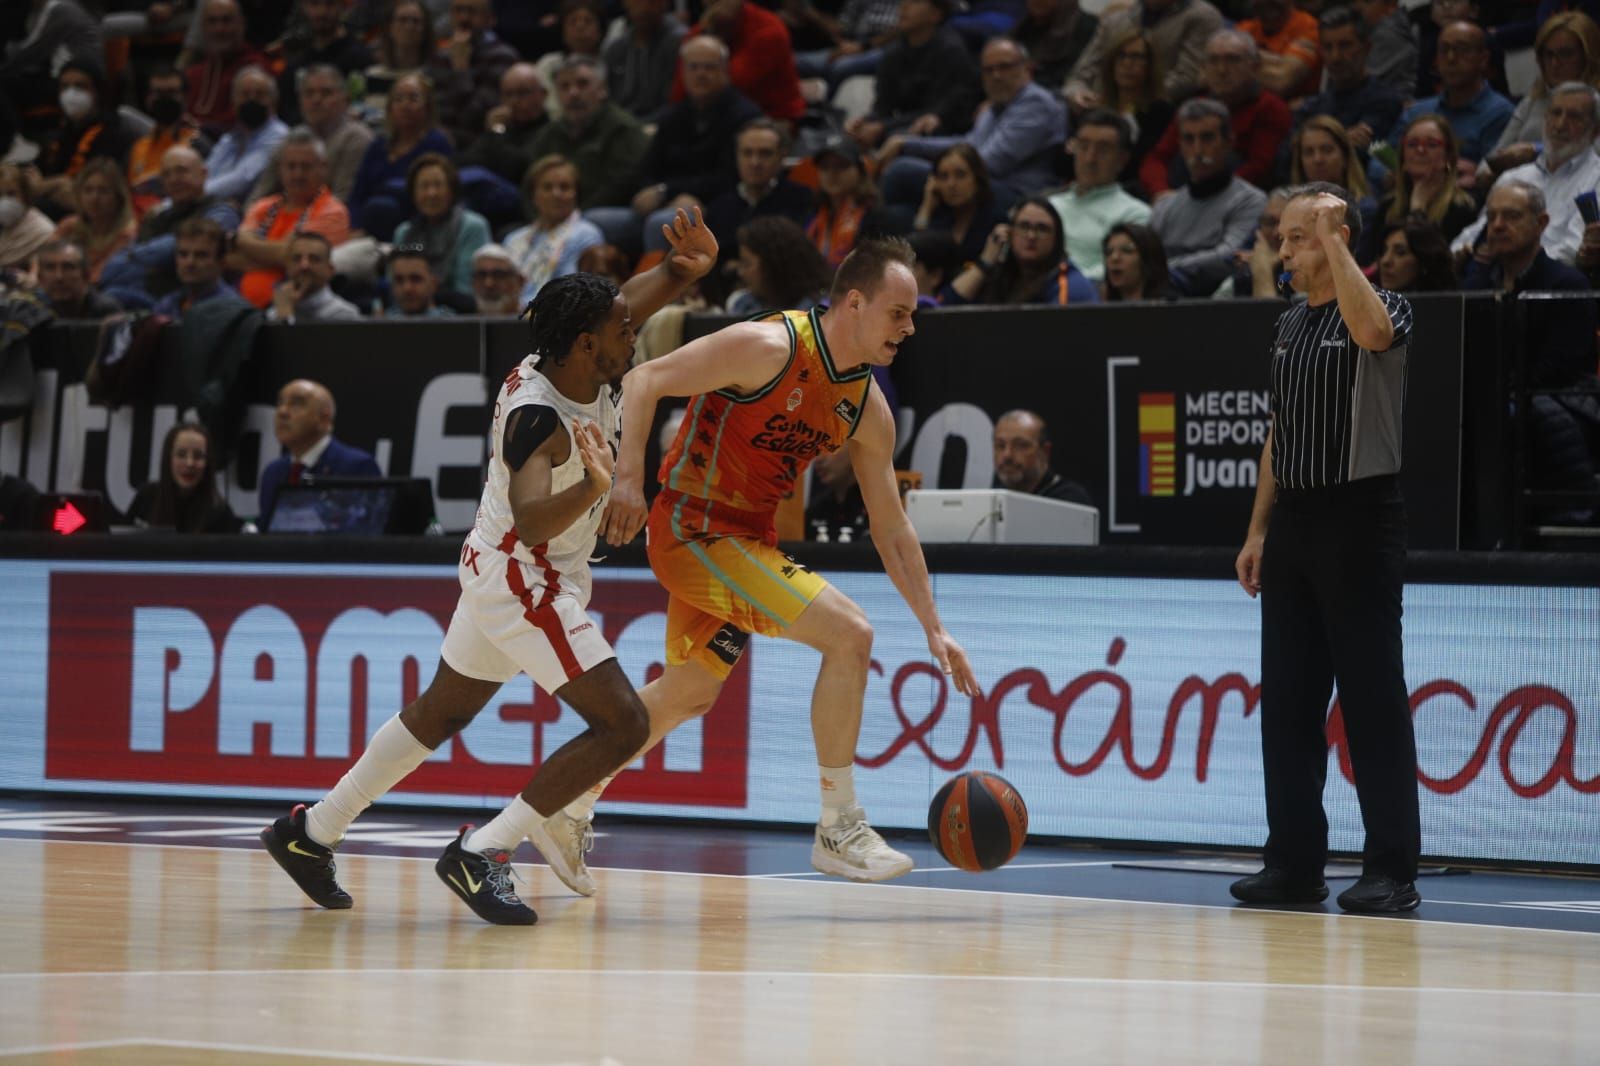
x,y
977,821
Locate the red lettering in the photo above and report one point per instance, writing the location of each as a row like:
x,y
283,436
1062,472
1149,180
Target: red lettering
x,y
1514,711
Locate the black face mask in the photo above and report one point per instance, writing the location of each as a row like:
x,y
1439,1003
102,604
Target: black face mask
x,y
253,114
166,109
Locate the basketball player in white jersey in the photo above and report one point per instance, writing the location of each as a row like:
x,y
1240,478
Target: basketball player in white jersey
x,y
525,582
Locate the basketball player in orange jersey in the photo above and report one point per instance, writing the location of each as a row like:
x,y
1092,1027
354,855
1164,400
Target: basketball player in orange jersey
x,y
525,583
768,397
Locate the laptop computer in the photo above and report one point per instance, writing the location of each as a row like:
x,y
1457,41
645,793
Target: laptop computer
x,y
363,506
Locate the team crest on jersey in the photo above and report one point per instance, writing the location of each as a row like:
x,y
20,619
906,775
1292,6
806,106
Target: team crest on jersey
x,y
794,399
845,410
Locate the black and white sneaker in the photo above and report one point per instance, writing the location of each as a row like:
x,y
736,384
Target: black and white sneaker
x,y
483,882
309,863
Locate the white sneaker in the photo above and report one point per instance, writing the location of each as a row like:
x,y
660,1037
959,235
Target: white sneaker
x,y
852,849
563,840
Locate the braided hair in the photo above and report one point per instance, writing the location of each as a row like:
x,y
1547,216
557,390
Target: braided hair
x,y
566,307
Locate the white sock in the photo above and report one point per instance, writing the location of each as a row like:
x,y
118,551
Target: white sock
x,y
838,790
506,830
393,754
582,808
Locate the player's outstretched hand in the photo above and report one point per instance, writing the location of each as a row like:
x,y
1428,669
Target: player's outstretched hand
x,y
594,451
953,661
694,249
625,513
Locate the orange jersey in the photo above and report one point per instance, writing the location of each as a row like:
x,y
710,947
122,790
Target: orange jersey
x,y
736,457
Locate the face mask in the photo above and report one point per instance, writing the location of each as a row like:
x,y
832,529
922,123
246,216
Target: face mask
x,y
253,114
166,110
11,209
76,102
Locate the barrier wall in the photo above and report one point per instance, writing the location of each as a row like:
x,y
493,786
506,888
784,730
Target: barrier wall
x,y
1119,692
1119,386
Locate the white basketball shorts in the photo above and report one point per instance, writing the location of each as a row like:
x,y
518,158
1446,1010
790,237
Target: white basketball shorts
x,y
507,623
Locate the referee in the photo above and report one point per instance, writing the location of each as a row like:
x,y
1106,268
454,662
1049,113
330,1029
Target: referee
x,y
1326,549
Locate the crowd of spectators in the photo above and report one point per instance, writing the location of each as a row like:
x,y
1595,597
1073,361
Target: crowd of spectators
x,y
1160,126
316,158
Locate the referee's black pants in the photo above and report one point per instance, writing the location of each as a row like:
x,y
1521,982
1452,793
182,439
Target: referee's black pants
x,y
1331,581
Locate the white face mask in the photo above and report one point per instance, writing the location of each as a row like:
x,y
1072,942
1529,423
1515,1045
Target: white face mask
x,y
76,102
11,209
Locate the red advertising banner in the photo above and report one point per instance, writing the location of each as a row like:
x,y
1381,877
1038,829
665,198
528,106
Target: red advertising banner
x,y
240,680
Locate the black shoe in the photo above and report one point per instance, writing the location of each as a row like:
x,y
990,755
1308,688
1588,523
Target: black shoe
x,y
1273,885
1378,894
483,882
309,863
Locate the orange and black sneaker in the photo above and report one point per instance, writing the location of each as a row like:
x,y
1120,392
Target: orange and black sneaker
x,y
483,882
309,863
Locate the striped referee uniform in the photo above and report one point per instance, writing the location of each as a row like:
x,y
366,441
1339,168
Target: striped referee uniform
x,y
1331,580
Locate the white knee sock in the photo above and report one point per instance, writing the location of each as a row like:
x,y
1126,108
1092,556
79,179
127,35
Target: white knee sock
x,y
838,790
393,754
582,808
506,830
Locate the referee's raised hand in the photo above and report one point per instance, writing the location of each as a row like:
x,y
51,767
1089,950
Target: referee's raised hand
x,y
1329,219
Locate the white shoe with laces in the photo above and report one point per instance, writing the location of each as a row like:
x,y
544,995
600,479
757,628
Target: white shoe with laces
x,y
563,840
852,849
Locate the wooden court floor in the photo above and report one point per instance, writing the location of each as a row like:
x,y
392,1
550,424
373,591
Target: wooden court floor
x,y
196,949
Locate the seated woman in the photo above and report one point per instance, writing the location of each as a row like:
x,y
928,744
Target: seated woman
x,y
104,222
378,200
1136,265
550,246
959,199
1415,258
448,234
846,201
1425,183
779,268
1024,262
1130,82
403,46
1321,151
185,496
23,227
1568,49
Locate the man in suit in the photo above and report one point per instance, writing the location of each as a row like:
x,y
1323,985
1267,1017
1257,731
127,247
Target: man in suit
x,y
304,426
1022,460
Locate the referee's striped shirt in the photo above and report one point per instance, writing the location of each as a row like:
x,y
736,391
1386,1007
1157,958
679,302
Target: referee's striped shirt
x,y
1336,406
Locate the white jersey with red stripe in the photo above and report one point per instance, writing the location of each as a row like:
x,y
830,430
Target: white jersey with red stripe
x,y
561,563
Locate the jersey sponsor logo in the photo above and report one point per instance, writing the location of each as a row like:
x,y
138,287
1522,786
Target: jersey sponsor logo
x,y
795,397
579,629
791,437
728,643
845,410
469,557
